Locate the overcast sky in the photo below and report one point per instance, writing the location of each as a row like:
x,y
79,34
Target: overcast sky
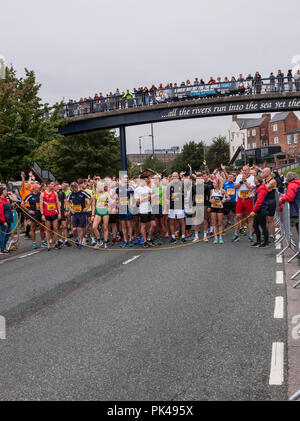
x,y
81,47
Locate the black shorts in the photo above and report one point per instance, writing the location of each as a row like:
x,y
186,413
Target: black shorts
x,y
145,217
229,207
37,218
79,220
271,209
51,218
113,218
217,210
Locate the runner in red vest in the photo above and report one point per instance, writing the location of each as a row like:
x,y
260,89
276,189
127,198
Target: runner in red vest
x,y
51,212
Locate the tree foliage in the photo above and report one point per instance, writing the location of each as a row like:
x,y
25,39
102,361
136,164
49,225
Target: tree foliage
x,y
72,157
154,164
192,153
218,153
25,122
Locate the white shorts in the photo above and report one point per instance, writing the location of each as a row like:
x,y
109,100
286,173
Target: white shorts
x,y
176,214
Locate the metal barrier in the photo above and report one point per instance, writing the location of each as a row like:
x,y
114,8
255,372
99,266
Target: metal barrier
x,y
283,228
295,397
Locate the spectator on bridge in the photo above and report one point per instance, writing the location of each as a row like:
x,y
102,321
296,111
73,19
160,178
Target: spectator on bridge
x,y
241,85
128,98
196,81
297,80
257,83
272,82
202,82
226,80
117,98
211,80
290,80
280,81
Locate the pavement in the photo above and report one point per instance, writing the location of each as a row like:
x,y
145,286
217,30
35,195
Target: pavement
x,y
191,323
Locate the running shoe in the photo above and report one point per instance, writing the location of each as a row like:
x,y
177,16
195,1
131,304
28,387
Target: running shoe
x,y
93,241
205,239
195,240
236,238
99,244
145,245
85,242
255,245
221,241
113,241
173,240
48,248
67,243
105,245
159,241
264,245
44,245
137,242
5,251
57,247
183,240
79,246
216,241
167,235
130,244
124,244
34,246
60,242
251,238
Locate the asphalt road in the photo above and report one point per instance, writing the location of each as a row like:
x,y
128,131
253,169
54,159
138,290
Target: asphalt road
x,y
192,323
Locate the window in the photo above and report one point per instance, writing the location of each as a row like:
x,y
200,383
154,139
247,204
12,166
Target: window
x,y
249,133
254,132
276,140
233,148
275,127
254,145
289,140
295,138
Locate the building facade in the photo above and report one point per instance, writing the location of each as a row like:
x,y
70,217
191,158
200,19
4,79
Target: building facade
x,y
280,130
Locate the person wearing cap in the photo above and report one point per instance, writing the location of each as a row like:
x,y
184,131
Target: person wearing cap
x,y
32,201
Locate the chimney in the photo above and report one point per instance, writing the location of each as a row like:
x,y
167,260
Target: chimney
x,y
268,116
234,117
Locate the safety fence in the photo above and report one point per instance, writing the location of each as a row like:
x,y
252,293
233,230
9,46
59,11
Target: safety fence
x,y
283,225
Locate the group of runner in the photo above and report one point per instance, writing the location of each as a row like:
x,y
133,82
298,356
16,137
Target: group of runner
x,y
147,209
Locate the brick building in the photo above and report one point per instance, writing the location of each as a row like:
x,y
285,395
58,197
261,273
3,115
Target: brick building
x,y
282,130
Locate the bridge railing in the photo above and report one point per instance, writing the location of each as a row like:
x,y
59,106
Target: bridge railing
x,y
180,93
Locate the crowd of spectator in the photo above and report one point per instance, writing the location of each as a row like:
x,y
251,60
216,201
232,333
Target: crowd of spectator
x,y
170,92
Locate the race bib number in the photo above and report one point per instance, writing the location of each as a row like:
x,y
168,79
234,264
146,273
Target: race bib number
x,y
199,199
77,208
244,195
102,204
51,206
144,197
37,206
123,201
155,201
231,192
217,204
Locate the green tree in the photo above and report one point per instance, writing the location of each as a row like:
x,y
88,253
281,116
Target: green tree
x,y
77,156
25,122
154,164
218,153
192,153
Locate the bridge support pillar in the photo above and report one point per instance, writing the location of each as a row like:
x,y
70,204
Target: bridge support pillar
x,y
123,148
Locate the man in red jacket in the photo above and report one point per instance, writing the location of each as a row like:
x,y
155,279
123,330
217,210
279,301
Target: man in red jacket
x,y
260,212
292,196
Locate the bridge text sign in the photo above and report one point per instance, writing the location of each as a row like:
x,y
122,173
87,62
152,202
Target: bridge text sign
x,y
268,105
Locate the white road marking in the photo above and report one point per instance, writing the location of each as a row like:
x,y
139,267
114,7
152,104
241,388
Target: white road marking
x,y
278,246
279,308
131,260
277,364
29,254
279,277
279,259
